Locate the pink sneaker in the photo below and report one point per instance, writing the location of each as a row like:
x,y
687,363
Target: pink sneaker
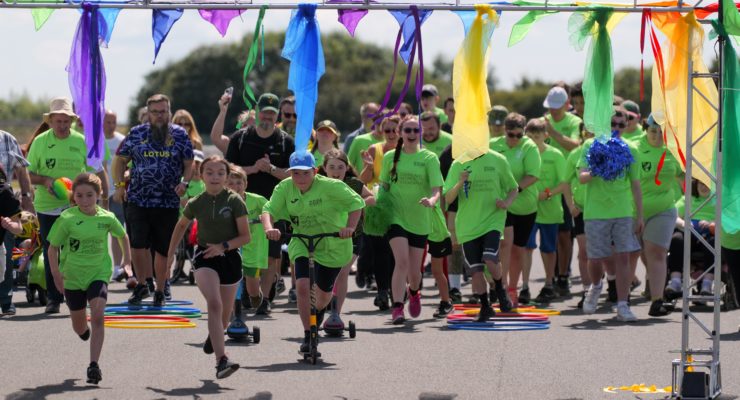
x,y
397,316
415,305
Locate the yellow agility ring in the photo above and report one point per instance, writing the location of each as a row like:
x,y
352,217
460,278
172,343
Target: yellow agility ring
x,y
149,324
518,312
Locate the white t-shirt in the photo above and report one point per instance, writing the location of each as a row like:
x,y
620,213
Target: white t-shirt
x,y
113,144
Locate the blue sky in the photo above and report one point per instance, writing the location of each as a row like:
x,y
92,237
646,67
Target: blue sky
x,y
34,62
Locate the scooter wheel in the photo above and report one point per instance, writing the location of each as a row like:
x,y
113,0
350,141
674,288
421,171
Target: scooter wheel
x,y
352,329
255,334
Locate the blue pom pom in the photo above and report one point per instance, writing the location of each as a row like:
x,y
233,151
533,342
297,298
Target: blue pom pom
x,y
609,160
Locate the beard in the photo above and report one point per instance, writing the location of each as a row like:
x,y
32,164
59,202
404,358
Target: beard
x,y
266,125
160,132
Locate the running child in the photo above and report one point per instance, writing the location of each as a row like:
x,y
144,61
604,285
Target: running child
x,y
223,229
83,270
314,204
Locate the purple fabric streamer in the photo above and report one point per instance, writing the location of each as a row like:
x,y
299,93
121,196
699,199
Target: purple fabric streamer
x,y
220,18
162,22
86,75
408,26
350,18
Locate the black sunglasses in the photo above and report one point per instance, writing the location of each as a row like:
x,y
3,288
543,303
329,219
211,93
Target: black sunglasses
x,y
620,125
388,130
290,115
515,135
411,130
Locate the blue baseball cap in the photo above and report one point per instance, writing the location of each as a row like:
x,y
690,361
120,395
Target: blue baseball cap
x,y
302,160
652,122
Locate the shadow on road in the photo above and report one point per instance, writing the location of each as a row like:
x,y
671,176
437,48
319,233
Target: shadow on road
x,y
33,317
605,324
407,327
299,365
730,337
41,392
208,387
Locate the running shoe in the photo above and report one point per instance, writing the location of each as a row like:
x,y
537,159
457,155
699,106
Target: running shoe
x,y
511,291
118,274
580,302
611,290
546,296
592,299
167,290
657,309
280,286
306,345
360,279
562,286
370,283
159,300
94,375
445,307
485,313
706,288
635,284
140,292
150,284
673,290
225,368
52,308
397,316
264,308
292,296
334,322
8,309
415,304
624,314
455,296
524,296
381,300
504,302
473,299
208,346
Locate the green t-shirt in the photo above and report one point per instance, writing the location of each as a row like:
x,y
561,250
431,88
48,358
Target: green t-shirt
x,y
441,114
609,199
524,159
634,136
552,173
254,253
437,146
83,240
568,126
360,144
730,241
490,180
216,215
324,208
56,158
705,214
576,187
656,199
417,174
439,225
194,189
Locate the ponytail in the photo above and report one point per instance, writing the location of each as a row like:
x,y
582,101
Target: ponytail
x,y
396,156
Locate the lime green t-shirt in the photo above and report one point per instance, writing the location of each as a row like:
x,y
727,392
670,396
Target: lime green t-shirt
x,y
609,199
437,146
524,159
552,173
417,174
324,208
634,136
56,158
254,253
576,187
730,241
194,189
656,199
360,144
705,214
568,126
83,240
439,225
490,180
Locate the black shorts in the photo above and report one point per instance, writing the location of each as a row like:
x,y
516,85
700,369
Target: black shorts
x,y
440,249
523,225
77,299
325,276
418,241
151,228
228,267
274,249
452,207
578,226
567,224
482,249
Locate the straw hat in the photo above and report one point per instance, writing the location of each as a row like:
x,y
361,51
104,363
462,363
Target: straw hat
x,y
60,105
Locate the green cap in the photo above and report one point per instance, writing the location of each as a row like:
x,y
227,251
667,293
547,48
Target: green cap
x,y
328,124
268,102
497,115
631,106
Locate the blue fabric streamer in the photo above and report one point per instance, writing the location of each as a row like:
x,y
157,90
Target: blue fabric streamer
x,y
304,51
110,15
467,18
162,22
408,26
609,160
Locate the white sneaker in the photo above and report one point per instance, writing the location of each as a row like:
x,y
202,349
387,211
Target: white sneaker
x,y
117,271
624,314
592,299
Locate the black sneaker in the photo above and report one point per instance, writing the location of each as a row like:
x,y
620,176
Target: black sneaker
x,y
611,290
455,296
504,302
360,279
524,296
208,346
292,296
141,292
167,290
280,286
474,299
381,301
159,300
562,285
306,345
225,368
8,309
485,313
657,309
546,295
580,302
264,308
94,375
370,283
445,307
150,284
52,308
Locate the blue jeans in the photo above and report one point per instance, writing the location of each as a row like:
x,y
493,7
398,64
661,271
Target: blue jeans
x,y
45,224
6,287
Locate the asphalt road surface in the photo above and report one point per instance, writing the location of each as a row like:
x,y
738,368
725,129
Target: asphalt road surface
x,y
576,358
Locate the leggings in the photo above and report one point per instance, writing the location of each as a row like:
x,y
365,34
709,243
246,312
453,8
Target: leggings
x,y
376,258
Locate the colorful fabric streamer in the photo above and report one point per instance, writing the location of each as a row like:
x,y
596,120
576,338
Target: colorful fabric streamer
x,y
250,100
162,22
407,21
220,18
685,41
87,80
521,29
598,77
350,18
470,91
40,16
304,51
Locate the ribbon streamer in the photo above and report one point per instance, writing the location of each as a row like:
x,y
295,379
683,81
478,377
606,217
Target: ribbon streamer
x,y
470,91
304,51
248,96
350,18
162,22
86,74
409,27
521,29
220,18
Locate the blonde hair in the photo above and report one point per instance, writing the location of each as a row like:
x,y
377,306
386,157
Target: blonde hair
x,y
237,172
193,131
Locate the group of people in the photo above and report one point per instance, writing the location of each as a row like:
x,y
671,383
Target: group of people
x,y
391,195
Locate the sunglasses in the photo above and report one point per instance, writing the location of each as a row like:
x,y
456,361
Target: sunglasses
x,y
631,117
515,135
619,125
411,130
403,115
388,130
511,126
290,115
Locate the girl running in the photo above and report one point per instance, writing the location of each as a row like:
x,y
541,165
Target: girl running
x,y
85,267
413,180
223,229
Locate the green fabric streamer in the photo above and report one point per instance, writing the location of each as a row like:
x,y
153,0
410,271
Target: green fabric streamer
x,y
598,76
378,217
520,30
40,16
248,95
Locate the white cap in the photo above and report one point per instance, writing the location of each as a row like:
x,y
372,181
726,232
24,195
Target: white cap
x,y
556,98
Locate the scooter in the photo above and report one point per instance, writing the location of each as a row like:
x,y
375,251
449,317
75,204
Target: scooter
x,y
334,326
237,329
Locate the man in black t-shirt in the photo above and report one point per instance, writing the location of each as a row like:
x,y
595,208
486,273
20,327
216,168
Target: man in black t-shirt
x,y
263,151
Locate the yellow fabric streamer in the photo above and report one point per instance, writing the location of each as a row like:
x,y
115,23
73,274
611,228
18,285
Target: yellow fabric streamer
x,y
470,70
685,42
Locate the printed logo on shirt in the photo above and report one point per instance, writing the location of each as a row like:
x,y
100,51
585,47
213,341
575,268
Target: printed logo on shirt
x,y
74,244
225,212
154,153
647,166
293,201
314,203
51,146
419,164
294,220
79,222
51,163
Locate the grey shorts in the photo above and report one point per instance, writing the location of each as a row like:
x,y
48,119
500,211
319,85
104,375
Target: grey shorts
x,y
659,228
605,237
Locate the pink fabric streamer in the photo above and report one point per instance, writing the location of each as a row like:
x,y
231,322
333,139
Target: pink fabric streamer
x,y
220,18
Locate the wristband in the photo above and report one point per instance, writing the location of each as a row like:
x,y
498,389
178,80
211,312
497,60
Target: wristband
x,y
548,193
186,183
26,194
